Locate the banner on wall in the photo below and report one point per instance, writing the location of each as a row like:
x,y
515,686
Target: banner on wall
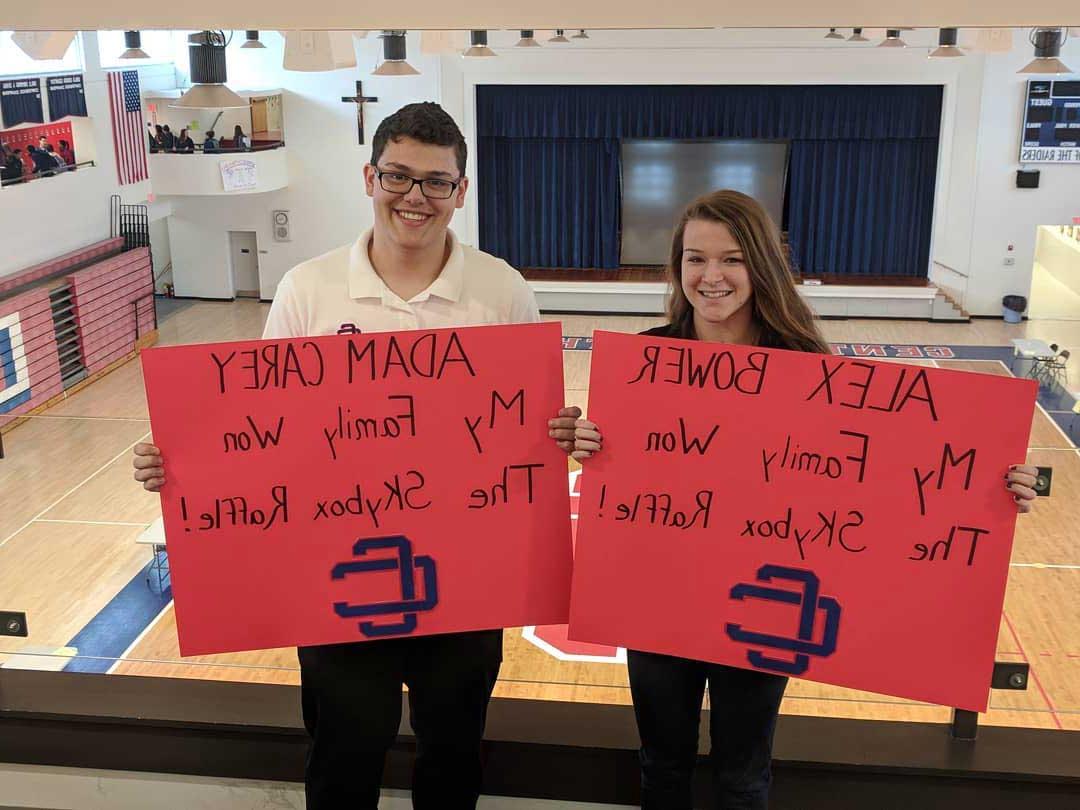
x,y
239,175
354,487
837,519
20,102
66,96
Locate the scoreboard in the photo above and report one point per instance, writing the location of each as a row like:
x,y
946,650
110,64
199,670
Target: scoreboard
x,y
1051,122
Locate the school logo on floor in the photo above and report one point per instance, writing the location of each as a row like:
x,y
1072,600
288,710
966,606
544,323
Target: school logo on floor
x,y
809,603
406,564
14,374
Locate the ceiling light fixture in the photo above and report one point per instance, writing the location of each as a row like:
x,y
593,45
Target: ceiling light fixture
x,y
133,43
478,45
394,63
833,35
528,40
1047,44
206,55
559,38
251,40
856,36
580,34
946,44
892,39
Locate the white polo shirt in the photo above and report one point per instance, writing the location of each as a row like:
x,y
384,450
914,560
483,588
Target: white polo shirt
x,y
340,292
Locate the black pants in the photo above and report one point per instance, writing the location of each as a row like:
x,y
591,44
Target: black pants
x,y
351,697
667,695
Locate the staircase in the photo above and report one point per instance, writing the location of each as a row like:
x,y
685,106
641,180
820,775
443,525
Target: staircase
x,y
945,308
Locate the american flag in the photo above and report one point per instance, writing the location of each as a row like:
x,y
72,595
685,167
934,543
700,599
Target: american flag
x,y
127,126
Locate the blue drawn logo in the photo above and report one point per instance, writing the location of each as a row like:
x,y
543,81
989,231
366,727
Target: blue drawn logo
x,y
409,605
809,603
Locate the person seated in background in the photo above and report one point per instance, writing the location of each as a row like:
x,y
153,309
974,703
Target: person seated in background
x,y
184,144
12,169
67,153
169,139
56,158
43,164
210,144
43,144
240,140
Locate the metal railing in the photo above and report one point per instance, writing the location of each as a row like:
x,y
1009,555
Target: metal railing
x,y
197,148
26,178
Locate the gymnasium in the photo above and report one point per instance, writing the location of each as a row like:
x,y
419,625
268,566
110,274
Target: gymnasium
x,y
926,181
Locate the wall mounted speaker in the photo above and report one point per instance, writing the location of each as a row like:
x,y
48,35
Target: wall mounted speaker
x,y
1027,178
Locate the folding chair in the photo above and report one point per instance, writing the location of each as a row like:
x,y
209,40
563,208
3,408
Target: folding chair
x,y
1056,369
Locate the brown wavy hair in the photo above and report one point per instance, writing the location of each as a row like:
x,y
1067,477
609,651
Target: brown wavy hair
x,y
785,321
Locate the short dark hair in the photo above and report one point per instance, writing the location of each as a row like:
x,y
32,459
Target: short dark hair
x,y
426,122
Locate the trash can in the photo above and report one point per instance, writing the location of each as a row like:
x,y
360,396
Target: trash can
x,y
1012,306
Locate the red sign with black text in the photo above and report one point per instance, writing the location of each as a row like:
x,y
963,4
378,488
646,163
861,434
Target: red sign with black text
x,y
346,488
836,519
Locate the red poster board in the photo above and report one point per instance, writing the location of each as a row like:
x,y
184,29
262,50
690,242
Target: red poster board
x,y
407,485
836,519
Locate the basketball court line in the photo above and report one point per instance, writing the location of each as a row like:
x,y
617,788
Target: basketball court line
x,y
138,639
92,522
1031,671
1046,413
60,416
127,450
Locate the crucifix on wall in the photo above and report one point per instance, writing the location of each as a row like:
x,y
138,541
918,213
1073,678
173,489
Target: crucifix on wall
x,y
359,100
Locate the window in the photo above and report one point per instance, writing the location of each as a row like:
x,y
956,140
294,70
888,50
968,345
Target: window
x,y
15,61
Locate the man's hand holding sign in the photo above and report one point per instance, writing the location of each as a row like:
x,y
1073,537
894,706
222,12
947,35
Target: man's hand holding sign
x,y
333,489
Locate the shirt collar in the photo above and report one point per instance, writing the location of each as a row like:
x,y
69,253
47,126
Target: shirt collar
x,y
364,282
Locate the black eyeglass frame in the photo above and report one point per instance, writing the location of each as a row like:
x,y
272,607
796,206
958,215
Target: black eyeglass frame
x,y
454,184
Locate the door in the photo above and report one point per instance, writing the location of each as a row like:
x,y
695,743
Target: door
x,y
258,115
244,257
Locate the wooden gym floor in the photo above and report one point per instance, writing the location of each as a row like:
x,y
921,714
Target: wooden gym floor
x,y
71,514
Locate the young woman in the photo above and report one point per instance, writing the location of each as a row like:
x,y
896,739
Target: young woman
x,y
731,284
240,140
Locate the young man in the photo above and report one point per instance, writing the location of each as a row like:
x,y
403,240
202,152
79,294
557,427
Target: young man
x,y
407,272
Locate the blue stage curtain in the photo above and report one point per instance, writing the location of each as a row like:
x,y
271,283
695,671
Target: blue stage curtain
x,y
871,150
550,203
66,96
862,207
20,102
788,112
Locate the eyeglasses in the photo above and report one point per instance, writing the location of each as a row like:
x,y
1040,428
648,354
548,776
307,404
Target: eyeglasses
x,y
432,187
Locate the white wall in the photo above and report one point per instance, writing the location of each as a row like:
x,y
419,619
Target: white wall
x,y
1005,214
326,199
200,174
45,218
160,252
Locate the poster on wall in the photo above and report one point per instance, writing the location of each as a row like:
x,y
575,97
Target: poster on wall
x,y
20,102
1051,122
239,175
66,96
